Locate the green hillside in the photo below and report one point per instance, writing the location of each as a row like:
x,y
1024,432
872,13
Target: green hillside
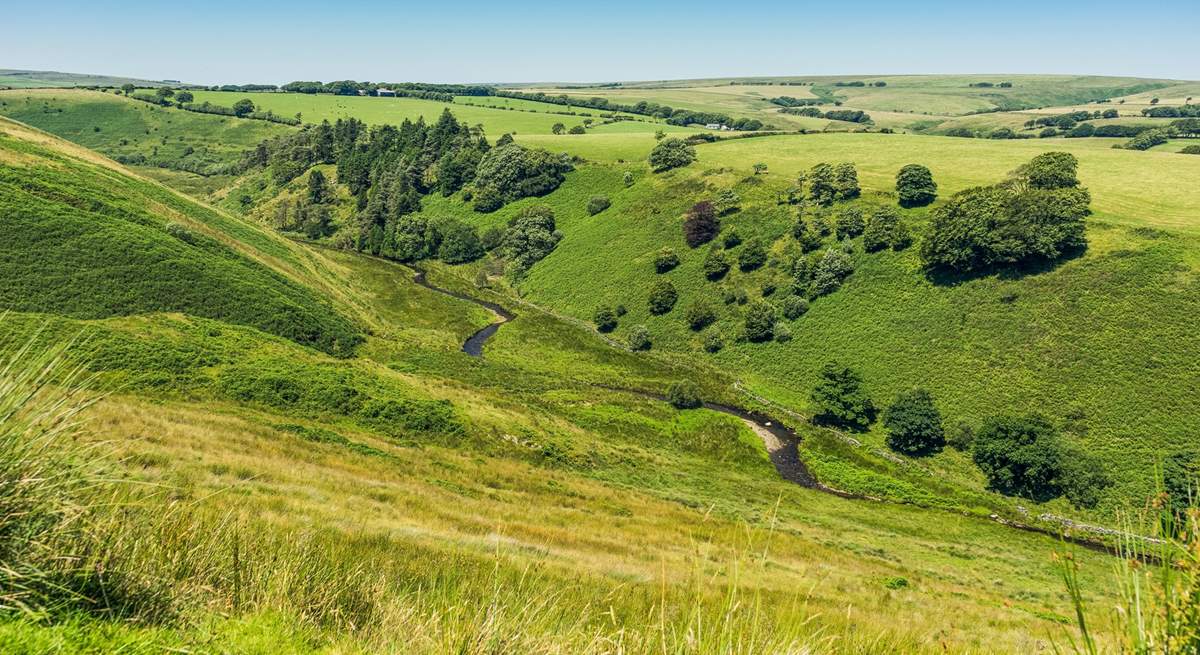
x,y
256,494
84,241
21,79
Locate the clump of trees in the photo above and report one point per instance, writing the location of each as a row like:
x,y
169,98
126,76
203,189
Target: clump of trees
x,y
885,229
530,236
1026,456
671,153
512,171
828,183
1038,214
915,186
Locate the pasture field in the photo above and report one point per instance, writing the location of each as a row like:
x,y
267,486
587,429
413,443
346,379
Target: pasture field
x,y
25,79
253,504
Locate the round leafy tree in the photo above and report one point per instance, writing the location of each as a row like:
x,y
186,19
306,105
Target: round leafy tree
x,y
753,255
700,315
914,424
849,223
760,322
684,394
713,341
662,297
840,399
597,204
715,265
671,153
915,186
793,307
1020,455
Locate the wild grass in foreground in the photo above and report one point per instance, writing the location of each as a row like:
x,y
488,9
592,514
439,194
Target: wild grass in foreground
x,y
1158,578
92,565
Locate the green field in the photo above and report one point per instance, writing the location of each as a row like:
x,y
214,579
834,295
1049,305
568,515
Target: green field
x,y
24,79
576,517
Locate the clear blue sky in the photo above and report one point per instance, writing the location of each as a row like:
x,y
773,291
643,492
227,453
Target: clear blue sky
x,y
515,41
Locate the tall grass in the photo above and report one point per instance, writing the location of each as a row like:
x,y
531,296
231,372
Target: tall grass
x,y
1158,578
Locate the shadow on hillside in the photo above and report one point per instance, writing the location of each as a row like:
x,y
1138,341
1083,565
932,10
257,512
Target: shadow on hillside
x,y
945,277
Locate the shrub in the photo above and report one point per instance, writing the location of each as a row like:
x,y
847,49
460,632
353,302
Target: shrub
x,y
727,202
577,129
715,265
605,319
783,333
834,267
487,200
713,341
671,153
759,322
700,315
732,238
793,307
1193,149
181,232
627,178
1047,133
639,338
665,260
684,394
621,311
914,424
597,204
753,255
849,223
840,400
915,186
701,224
662,297
961,436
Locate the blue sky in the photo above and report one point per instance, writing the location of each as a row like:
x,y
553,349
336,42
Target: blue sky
x,y
474,41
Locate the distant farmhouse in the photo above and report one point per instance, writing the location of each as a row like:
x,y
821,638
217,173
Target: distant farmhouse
x,y
385,92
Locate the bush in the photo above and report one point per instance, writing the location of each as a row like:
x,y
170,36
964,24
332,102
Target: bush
x,y
840,400
727,202
914,424
794,307
639,338
671,153
621,311
849,223
700,315
701,224
577,129
753,256
713,341
715,265
1193,149
759,322
487,200
684,394
834,267
605,319
807,237
732,238
915,186
662,297
961,436
665,260
627,178
598,204
783,333
845,181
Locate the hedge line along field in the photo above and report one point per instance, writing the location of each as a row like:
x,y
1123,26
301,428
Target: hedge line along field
x,y
314,108
392,490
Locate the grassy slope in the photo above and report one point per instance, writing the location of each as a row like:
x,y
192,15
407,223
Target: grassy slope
x,y
119,127
34,79
1074,340
552,490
